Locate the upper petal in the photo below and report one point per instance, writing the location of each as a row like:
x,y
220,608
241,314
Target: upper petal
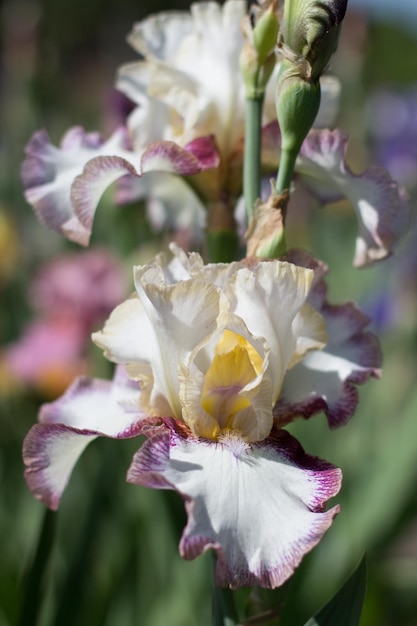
x,y
325,380
253,417
260,506
158,36
160,327
268,298
203,97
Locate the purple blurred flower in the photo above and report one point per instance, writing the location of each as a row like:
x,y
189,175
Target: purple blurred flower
x,y
392,120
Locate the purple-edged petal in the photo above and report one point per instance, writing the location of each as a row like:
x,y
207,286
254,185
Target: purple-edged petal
x,y
64,185
161,156
381,208
166,156
325,381
89,408
259,506
48,173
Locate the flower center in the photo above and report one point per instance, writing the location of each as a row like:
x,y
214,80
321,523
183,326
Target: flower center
x,y
236,364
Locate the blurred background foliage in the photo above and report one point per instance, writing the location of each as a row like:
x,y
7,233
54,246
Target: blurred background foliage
x,y
115,558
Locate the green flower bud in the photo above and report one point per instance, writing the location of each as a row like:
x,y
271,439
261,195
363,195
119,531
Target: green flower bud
x,y
258,59
310,31
297,103
265,34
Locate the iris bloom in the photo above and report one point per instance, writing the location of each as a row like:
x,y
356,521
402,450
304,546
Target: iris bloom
x,y
189,120
217,358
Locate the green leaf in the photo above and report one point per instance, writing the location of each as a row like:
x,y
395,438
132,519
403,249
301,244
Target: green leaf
x,y
31,603
345,608
224,611
223,607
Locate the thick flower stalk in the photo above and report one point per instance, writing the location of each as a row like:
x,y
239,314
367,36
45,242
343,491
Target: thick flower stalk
x,y
209,351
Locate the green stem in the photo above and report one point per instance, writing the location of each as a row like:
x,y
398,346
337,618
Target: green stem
x,y
252,154
286,169
222,246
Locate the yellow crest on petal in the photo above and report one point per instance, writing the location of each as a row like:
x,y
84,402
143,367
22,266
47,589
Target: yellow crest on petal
x,y
236,364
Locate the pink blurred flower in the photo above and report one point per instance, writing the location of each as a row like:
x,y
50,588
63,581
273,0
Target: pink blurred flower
x,y
83,287
48,355
73,294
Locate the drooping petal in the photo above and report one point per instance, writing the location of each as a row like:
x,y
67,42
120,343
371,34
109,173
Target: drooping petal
x,y
162,156
381,208
48,173
89,408
325,380
259,506
64,185
166,156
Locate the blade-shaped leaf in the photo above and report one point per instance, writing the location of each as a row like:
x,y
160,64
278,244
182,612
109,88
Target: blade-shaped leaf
x,y
345,608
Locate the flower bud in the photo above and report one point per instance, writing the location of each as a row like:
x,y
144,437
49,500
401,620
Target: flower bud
x,y
297,101
308,38
265,34
310,31
257,60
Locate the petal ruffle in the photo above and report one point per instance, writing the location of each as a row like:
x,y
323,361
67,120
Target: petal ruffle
x,y
209,94
64,185
161,327
269,299
178,308
259,506
48,173
325,381
380,206
89,408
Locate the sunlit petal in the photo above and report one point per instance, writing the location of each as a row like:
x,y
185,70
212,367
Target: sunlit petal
x,y
259,506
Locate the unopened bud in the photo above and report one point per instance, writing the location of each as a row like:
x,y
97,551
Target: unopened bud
x,y
297,103
265,34
257,60
310,31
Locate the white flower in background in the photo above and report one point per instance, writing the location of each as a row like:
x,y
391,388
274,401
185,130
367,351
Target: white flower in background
x,y
208,350
189,121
